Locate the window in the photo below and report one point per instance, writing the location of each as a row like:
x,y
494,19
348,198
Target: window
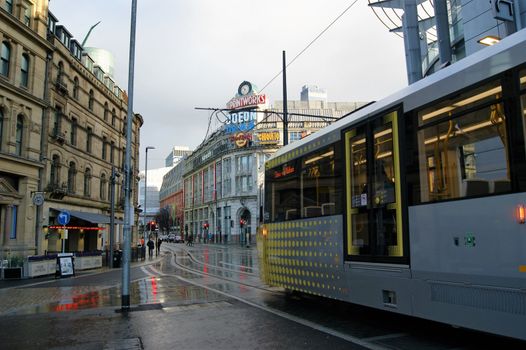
x,y
104,145
72,173
309,186
219,181
89,139
60,72
106,111
283,191
91,100
227,180
294,136
9,6
19,135
1,127
5,56
113,117
124,127
73,135
24,70
462,147
103,187
27,16
54,178
76,88
14,217
112,156
57,120
87,182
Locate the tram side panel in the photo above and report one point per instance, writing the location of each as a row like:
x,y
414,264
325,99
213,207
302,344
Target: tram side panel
x,y
468,263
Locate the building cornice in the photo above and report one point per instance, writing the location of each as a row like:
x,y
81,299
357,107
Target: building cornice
x,y
4,83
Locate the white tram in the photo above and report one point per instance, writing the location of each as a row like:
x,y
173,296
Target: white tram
x,y
414,204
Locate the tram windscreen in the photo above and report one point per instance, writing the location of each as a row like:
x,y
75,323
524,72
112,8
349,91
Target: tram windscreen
x,y
309,186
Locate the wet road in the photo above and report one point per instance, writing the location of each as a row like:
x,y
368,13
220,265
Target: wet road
x,y
207,297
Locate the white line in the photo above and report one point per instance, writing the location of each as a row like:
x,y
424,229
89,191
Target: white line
x,y
143,269
303,322
387,336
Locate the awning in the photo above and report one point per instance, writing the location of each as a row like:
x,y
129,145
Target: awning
x,y
90,217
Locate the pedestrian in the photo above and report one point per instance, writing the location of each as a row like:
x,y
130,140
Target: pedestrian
x,y
150,245
159,241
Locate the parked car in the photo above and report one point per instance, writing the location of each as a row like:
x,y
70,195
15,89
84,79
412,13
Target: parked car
x,y
179,239
171,237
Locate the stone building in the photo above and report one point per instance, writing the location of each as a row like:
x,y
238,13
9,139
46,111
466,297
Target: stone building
x,y
62,130
24,57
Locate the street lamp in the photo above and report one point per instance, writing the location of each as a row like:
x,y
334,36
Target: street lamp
x,y
145,191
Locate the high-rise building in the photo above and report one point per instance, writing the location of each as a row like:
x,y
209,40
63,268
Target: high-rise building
x,y
313,93
177,153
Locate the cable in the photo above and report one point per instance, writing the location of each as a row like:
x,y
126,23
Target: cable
x,y
310,44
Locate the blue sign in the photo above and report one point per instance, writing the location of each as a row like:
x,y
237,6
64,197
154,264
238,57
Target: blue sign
x,y
63,218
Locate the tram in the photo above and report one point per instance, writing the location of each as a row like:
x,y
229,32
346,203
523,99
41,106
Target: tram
x,y
414,204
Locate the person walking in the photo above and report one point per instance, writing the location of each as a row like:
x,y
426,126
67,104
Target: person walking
x,y
150,245
159,241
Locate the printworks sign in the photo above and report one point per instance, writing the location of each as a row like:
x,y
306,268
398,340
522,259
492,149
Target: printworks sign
x,y
246,97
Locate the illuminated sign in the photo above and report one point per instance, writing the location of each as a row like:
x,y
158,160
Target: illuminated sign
x,y
240,121
287,170
271,137
246,101
241,139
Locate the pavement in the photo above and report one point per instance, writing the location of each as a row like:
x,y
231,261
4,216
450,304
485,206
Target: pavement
x,y
170,310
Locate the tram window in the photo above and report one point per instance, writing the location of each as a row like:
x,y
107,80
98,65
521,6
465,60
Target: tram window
x,y
320,184
283,192
358,164
465,155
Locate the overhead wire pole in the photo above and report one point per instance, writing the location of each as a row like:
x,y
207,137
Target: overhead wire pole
x,y
285,116
128,214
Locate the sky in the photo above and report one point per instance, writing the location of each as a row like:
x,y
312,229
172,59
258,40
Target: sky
x,y
195,53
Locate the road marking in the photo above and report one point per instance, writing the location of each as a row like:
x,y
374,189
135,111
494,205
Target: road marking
x,y
292,318
387,336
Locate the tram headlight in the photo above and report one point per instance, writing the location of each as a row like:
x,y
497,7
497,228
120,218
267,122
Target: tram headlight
x,y
521,214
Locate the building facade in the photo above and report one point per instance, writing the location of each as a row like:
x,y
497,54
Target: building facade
x,y
439,32
171,197
24,58
177,153
62,132
224,177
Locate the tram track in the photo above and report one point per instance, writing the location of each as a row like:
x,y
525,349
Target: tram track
x,y
297,319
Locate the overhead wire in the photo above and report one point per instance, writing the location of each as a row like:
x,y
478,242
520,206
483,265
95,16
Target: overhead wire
x,y
311,43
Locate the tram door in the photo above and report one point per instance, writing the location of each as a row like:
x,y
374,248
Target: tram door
x,y
374,214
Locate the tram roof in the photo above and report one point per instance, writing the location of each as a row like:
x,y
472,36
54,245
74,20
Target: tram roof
x,y
483,64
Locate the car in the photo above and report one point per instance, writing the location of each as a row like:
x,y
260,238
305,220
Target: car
x,y
171,237
179,239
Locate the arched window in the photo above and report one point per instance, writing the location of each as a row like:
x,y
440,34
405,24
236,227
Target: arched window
x,y
87,182
103,187
91,99
104,150
5,56
124,127
72,173
24,71
54,176
76,88
113,117
19,135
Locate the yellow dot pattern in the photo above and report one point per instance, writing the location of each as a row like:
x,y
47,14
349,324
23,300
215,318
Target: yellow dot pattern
x,y
305,256
303,150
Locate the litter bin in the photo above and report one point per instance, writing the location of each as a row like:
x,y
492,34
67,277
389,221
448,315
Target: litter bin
x,y
117,258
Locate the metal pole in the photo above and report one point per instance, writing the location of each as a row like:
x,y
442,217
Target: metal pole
x,y
285,116
125,298
145,191
112,217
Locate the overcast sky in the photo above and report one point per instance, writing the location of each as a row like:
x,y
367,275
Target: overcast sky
x,y
195,53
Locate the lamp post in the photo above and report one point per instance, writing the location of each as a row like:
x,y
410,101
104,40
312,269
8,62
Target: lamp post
x,y
114,175
145,191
